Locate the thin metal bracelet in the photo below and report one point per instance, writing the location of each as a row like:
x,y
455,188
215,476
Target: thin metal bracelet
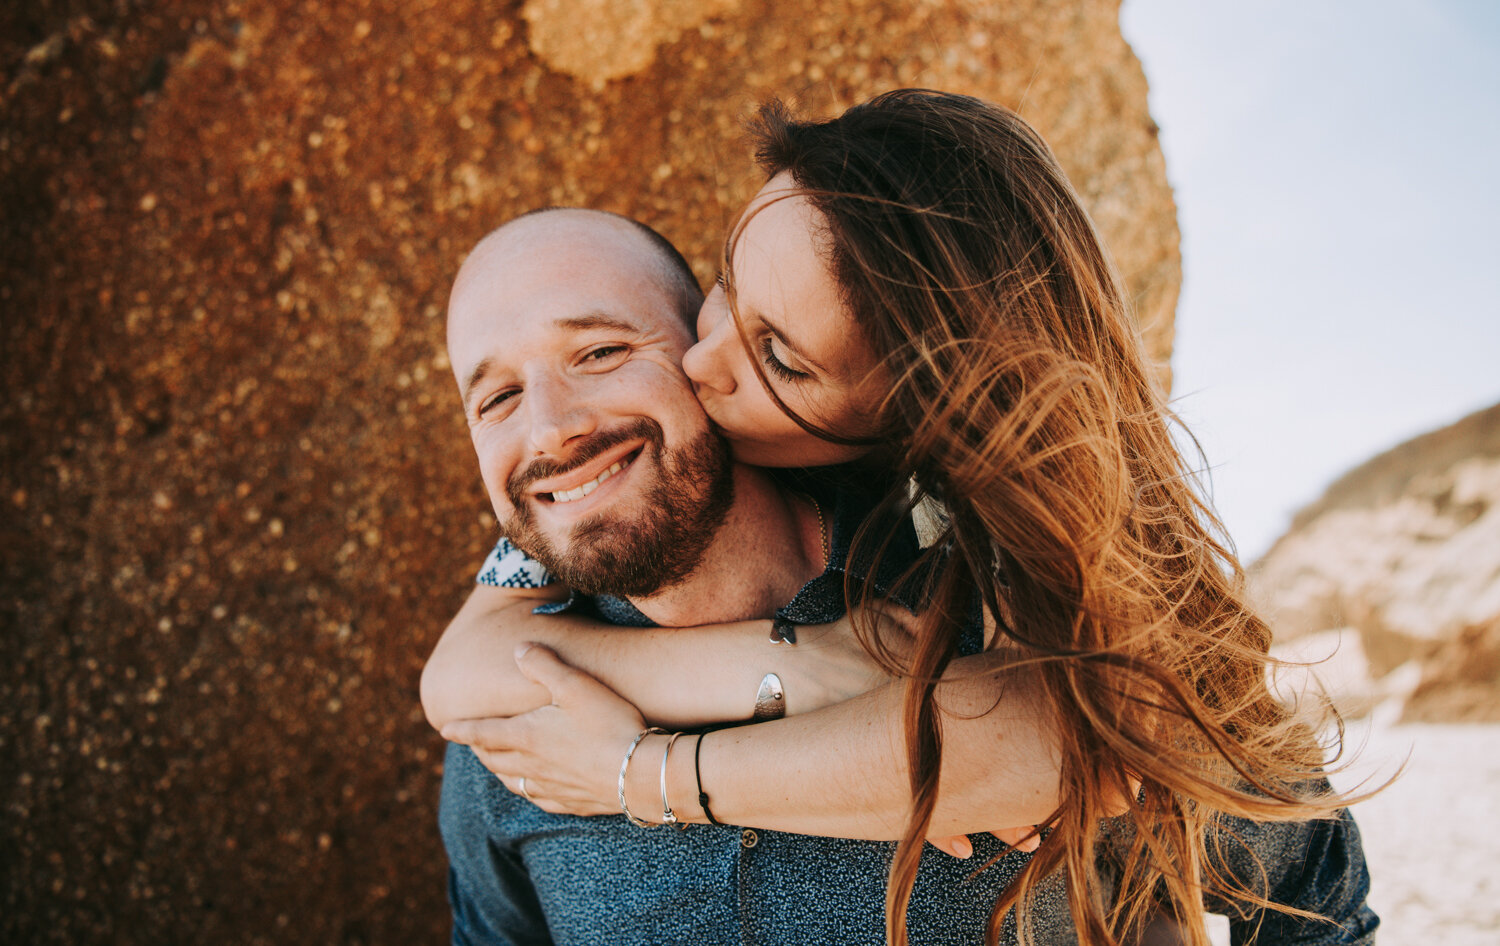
x,y
667,815
625,767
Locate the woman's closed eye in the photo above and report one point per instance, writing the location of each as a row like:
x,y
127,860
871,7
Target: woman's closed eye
x,y
775,364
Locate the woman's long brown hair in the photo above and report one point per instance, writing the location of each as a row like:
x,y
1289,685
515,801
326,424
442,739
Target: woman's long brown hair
x,y
1020,400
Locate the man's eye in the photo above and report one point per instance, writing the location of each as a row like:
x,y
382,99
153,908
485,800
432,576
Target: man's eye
x,y
603,353
495,401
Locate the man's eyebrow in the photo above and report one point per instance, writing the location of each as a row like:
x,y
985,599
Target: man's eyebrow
x,y
576,323
597,320
475,377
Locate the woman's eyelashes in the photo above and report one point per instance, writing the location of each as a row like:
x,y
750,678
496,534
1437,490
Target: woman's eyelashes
x,y
775,365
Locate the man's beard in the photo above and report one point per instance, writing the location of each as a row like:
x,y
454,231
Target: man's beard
x,y
656,548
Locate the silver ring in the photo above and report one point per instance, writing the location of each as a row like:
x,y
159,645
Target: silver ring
x,y
524,791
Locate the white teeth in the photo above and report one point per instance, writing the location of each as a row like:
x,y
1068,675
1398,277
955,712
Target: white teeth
x,y
578,492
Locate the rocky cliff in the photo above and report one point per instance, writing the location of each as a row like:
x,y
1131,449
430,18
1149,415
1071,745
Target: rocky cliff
x,y
239,497
1398,566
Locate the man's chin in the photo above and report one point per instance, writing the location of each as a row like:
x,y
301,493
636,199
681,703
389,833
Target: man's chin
x,y
608,555
642,547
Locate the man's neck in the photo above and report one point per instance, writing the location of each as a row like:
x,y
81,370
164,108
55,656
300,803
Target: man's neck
x,y
769,546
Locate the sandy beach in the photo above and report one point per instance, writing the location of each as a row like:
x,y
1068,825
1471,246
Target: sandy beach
x,y
1432,837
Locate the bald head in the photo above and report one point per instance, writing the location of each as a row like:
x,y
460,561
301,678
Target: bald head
x,y
657,258
566,332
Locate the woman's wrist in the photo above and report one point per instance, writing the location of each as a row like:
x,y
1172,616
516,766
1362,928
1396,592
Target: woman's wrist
x,y
643,795
828,666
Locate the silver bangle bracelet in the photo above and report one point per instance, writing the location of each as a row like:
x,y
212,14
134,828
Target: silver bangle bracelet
x,y
770,699
667,815
625,767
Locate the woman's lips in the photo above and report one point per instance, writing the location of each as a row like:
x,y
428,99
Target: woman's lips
x,y
710,402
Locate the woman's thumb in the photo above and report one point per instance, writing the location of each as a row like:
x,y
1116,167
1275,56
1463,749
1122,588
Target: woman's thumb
x,y
541,665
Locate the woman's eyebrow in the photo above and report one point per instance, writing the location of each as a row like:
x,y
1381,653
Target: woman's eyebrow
x,y
782,337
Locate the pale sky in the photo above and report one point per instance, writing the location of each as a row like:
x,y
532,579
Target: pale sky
x,y
1335,166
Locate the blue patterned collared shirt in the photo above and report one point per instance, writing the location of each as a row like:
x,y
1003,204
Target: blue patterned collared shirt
x,y
519,875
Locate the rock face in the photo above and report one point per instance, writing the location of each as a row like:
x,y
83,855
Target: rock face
x,y
239,497
1403,555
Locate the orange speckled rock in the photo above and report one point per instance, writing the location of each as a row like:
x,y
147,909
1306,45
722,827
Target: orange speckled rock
x,y
239,500
598,40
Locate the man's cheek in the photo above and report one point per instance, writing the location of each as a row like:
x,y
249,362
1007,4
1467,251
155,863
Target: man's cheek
x,y
504,511
494,486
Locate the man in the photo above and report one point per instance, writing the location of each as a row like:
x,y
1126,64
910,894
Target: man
x,y
566,331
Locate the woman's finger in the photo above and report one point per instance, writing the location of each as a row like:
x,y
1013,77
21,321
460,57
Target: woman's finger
x,y
511,782
551,797
958,846
494,733
541,665
1027,838
501,762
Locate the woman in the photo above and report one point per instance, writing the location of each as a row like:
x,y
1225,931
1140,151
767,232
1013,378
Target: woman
x,y
921,269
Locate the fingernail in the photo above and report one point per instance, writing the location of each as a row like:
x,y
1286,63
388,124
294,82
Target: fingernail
x,y
522,648
964,849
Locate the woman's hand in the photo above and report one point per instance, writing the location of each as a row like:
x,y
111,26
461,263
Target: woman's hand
x,y
569,751
1027,838
829,665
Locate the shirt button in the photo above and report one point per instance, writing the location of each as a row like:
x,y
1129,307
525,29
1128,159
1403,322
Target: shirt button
x,y
749,838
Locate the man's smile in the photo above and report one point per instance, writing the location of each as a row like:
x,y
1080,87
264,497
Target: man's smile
x,y
582,491
551,485
563,494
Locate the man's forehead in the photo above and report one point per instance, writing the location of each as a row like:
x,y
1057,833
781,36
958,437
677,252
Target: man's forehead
x,y
535,274
520,327
520,258
539,280
562,235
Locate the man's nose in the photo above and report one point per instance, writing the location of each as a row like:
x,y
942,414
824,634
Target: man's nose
x,y
557,414
710,363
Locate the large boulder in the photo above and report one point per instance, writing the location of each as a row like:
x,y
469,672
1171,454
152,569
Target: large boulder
x,y
239,497
1400,562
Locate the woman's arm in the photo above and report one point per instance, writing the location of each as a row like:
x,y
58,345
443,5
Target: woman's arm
x,y
838,771
677,677
842,770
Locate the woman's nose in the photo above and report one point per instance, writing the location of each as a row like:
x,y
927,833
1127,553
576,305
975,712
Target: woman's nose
x,y
710,361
